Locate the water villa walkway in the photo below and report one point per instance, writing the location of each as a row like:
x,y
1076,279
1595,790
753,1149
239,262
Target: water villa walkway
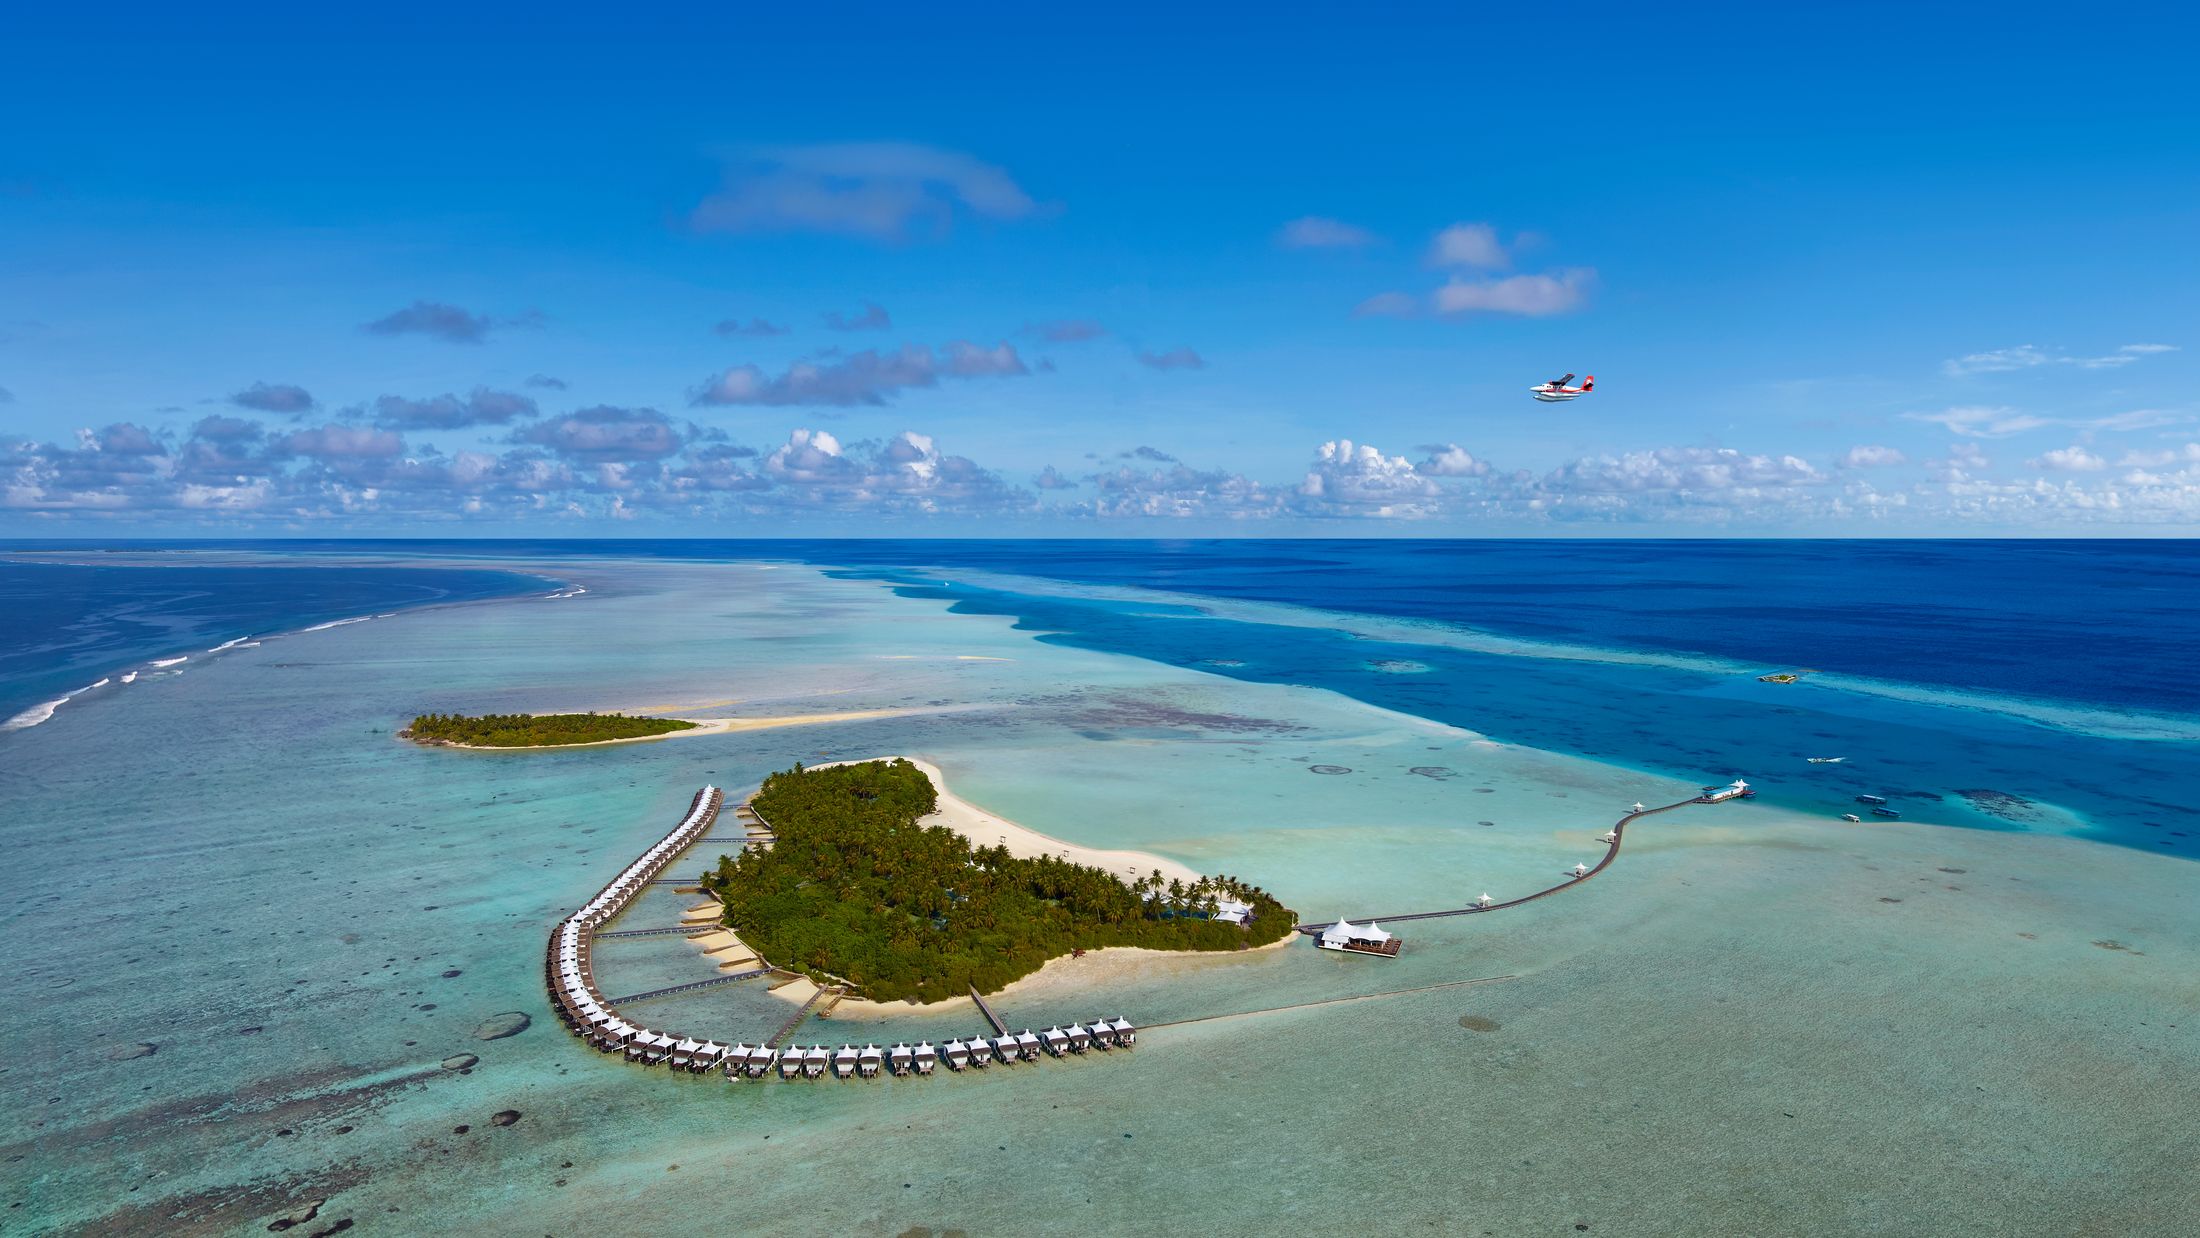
x,y
568,970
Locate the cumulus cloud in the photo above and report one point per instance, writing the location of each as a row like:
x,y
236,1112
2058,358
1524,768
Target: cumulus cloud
x,y
445,322
607,434
1450,460
2030,356
338,442
1870,456
754,326
1143,452
273,398
873,318
2187,454
879,191
1178,358
1067,330
1357,479
1702,469
2071,459
867,377
1472,246
1388,305
1532,296
906,473
1321,232
544,381
482,407
1049,479
1178,492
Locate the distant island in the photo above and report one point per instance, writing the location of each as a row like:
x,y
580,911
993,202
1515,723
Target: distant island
x,y
857,890
536,730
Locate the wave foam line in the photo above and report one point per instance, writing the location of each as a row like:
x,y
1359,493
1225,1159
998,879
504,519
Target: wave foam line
x,y
165,663
227,644
39,713
337,623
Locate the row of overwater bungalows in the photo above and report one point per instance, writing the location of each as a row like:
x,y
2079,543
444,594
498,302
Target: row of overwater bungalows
x,y
572,982
592,1018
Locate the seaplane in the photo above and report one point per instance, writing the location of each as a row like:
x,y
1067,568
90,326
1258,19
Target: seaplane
x,y
1579,870
1485,900
1825,760
1557,392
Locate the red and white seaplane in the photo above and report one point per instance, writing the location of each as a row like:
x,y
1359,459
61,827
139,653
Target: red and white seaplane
x,y
1557,392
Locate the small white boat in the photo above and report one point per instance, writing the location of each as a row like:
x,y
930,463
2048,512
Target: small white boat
x,y
1850,816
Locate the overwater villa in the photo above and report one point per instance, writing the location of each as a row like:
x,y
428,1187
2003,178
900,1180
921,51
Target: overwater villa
x,y
1103,1036
1055,1040
926,1057
814,1060
981,1051
899,1058
871,1060
790,1064
956,1054
1735,790
844,1062
1353,938
1125,1034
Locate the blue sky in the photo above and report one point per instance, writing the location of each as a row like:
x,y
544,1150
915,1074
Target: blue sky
x,y
1157,271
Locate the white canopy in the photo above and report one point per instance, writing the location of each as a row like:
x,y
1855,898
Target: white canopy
x,y
1344,930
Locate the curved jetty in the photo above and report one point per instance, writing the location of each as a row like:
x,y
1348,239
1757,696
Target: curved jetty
x,y
596,1018
1574,876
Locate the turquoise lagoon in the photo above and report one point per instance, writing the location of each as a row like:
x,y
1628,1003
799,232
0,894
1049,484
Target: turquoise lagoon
x,y
1762,1020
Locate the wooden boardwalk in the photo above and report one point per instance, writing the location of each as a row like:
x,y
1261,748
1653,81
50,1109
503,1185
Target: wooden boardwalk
x,y
999,1028
1611,853
779,1038
691,985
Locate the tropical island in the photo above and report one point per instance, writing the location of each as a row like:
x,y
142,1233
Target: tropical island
x,y
857,890
536,730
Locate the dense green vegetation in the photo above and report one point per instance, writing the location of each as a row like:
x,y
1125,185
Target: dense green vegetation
x,y
536,730
857,889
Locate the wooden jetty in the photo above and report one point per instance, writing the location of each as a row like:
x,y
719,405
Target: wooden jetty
x,y
1611,853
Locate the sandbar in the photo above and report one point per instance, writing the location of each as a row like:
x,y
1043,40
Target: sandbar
x,y
716,726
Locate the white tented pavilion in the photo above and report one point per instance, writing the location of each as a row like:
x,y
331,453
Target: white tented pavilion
x,y
1343,931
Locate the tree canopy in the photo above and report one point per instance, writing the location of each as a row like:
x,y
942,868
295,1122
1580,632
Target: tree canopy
x,y
857,888
537,730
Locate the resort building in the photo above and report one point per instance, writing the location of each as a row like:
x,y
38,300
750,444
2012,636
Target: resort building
x,y
1366,938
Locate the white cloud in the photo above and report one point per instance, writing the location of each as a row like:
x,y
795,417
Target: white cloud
x,y
1981,421
1357,479
1533,296
1473,246
2031,356
2071,459
1870,456
1319,232
1451,460
881,191
2187,454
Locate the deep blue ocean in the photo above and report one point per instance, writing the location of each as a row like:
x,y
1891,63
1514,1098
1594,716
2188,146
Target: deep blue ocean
x,y
2058,671
65,625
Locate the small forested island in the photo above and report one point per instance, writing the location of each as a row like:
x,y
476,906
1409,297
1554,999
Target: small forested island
x,y
857,889
535,730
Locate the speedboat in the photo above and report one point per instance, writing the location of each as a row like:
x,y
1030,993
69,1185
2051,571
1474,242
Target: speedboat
x,y
1850,816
